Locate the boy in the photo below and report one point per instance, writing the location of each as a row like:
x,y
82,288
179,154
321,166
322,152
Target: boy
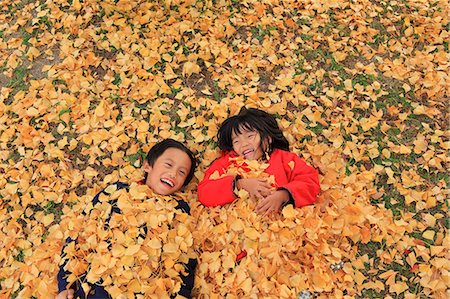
x,y
168,167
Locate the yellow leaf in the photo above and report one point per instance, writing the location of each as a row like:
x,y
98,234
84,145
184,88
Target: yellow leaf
x,y
339,56
291,164
348,84
114,291
246,285
429,234
409,31
131,250
100,109
134,286
411,259
398,287
215,175
86,287
46,220
406,87
420,144
237,225
437,250
155,243
11,188
429,219
404,149
440,263
139,192
77,6
289,212
251,233
111,188
242,193
190,68
170,248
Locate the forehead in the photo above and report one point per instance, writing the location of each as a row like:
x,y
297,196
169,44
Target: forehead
x,y
241,129
176,155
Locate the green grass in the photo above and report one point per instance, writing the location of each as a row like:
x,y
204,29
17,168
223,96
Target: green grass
x,y
19,79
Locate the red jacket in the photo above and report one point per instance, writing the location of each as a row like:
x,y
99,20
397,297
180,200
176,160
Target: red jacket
x,y
301,181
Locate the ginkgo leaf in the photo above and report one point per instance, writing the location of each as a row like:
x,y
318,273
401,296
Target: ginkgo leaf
x,y
88,87
190,68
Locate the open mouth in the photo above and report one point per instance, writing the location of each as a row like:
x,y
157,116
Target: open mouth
x,y
247,153
167,182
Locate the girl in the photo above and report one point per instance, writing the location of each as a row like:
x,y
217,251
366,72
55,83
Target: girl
x,y
254,135
168,167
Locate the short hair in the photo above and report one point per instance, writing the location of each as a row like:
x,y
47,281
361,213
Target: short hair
x,y
158,149
254,120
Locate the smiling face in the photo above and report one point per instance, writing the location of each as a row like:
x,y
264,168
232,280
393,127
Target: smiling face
x,y
247,144
169,172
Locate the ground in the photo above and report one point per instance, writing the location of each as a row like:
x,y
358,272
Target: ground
x,y
360,89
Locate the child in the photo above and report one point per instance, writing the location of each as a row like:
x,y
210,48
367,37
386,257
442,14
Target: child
x,y
168,167
254,135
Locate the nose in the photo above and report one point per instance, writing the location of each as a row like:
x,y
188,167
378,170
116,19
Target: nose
x,y
245,142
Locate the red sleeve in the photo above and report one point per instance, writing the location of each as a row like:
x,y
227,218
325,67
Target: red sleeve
x,y
217,192
303,180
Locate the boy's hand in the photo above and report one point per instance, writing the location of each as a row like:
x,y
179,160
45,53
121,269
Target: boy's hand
x,y
257,188
67,294
273,202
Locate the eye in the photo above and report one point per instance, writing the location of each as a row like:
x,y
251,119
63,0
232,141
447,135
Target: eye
x,y
235,141
182,172
168,164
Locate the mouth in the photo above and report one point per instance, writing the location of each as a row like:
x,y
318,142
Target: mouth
x,y
167,182
248,153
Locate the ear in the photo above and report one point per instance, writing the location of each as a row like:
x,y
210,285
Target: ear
x,y
147,168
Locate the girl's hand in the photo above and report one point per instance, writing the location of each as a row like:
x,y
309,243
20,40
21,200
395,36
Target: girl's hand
x,y
273,202
257,188
67,294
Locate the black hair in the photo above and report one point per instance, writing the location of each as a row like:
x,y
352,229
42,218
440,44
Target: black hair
x,y
254,120
158,149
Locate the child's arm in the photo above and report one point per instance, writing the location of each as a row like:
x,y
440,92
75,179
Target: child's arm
x,y
303,181
217,192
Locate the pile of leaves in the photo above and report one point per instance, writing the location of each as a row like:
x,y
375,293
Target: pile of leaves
x,y
360,90
297,249
141,250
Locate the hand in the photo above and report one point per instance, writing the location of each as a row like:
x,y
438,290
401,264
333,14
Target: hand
x,y
273,202
67,294
257,188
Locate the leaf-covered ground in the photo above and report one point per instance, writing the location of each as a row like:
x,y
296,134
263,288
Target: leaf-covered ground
x,y
360,89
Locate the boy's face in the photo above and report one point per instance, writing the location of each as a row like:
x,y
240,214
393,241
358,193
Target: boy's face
x,y
247,144
169,172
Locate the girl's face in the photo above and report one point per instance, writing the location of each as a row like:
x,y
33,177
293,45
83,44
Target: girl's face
x,y
247,144
169,172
